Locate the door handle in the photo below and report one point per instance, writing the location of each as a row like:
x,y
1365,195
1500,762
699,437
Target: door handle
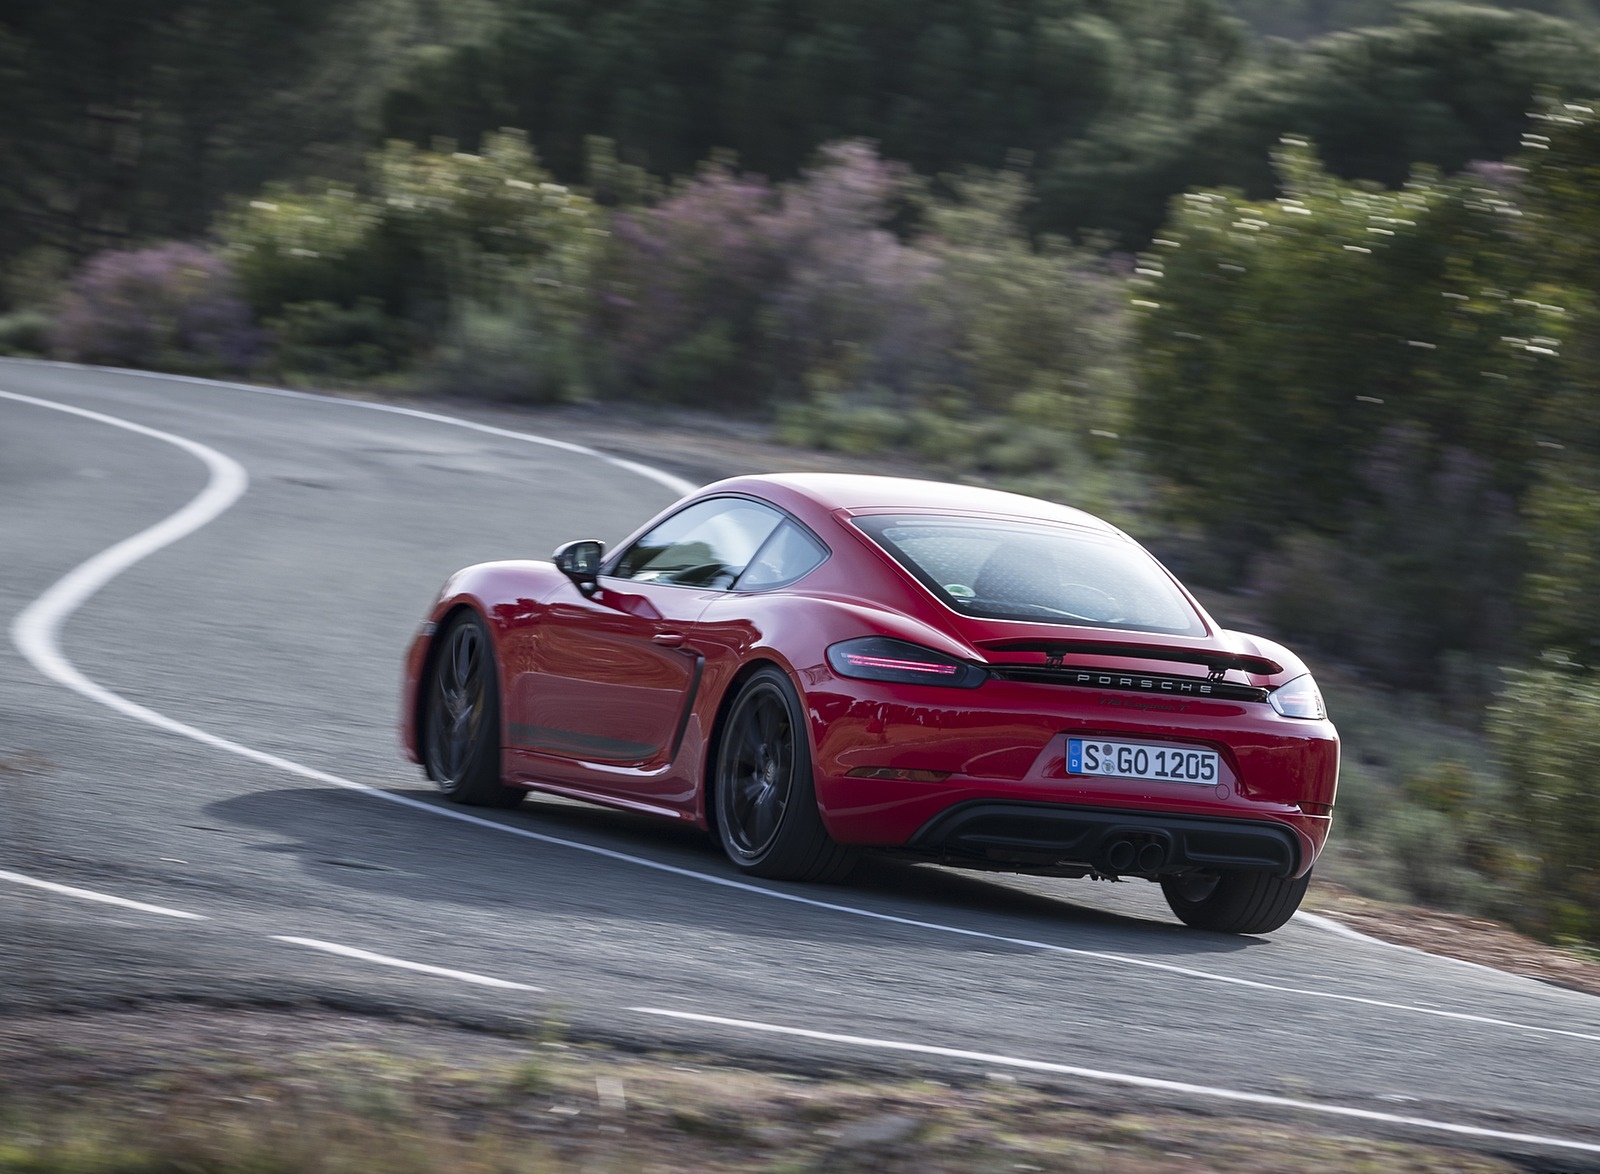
x,y
667,639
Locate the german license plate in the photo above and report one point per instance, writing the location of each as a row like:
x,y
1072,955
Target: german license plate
x,y
1134,760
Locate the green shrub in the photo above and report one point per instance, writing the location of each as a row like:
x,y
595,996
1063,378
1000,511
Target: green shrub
x,y
1561,587
859,425
324,244
496,354
952,437
1426,847
1034,328
34,277
321,340
1546,729
1446,787
465,249
25,332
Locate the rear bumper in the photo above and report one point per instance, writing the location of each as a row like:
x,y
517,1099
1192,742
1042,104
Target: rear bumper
x,y
1114,843
1006,744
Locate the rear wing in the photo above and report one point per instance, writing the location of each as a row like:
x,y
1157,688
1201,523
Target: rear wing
x,y
1217,661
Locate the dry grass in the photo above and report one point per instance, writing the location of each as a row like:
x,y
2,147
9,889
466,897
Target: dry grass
x,y
184,1091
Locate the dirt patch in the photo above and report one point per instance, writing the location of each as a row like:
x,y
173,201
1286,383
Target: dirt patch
x,y
269,1092
1471,939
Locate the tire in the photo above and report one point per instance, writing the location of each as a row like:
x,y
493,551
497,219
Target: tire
x,y
461,716
1234,902
766,804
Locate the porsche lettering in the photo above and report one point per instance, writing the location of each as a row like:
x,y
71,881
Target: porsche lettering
x,y
1155,683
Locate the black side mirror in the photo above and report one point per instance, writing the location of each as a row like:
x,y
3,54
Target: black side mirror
x,y
580,562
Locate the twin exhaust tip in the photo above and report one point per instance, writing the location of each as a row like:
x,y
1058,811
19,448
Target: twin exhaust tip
x,y
1128,856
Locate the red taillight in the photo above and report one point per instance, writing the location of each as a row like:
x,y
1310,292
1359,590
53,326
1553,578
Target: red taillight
x,y
881,658
861,661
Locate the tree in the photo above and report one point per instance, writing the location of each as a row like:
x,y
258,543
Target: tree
x,y
1278,340
1562,185
939,85
1446,85
133,121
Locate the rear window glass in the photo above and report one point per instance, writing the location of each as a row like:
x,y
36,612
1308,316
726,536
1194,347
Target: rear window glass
x,y
1016,570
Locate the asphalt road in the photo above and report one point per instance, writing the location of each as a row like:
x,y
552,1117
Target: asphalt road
x,y
278,626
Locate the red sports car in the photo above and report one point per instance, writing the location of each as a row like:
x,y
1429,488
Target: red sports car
x,y
813,665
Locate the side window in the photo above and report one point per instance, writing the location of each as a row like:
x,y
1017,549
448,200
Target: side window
x,y
707,545
789,553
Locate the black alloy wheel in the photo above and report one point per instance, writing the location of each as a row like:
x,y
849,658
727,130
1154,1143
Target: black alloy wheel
x,y
759,771
462,717
766,806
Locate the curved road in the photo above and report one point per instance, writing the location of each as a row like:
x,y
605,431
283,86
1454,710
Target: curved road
x,y
249,798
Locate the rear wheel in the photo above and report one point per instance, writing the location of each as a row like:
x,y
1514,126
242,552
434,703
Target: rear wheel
x,y
1234,902
462,717
766,804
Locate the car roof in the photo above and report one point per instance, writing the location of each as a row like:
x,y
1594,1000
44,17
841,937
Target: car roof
x,y
860,493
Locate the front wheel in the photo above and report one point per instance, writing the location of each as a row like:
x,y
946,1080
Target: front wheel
x,y
462,717
1234,902
766,804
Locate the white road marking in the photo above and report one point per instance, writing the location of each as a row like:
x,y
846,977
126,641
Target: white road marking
x,y
677,484
1211,1092
37,627
1344,931
18,878
403,964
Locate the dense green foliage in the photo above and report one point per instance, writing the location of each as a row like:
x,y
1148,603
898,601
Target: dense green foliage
x,y
1448,85
1562,587
1299,331
937,84
137,122
1121,104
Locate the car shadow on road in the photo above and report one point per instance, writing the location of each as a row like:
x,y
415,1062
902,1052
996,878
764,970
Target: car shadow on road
x,y
351,841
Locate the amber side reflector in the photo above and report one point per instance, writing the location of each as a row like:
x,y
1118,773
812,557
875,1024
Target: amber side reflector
x,y
910,776
1317,808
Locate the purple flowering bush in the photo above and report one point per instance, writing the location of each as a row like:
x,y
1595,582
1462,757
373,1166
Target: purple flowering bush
x,y
173,307
965,340
733,291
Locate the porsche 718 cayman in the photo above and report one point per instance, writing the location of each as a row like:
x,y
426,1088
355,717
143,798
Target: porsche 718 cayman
x,y
814,665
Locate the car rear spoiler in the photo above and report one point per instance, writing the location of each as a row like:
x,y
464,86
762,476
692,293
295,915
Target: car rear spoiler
x,y
1216,660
